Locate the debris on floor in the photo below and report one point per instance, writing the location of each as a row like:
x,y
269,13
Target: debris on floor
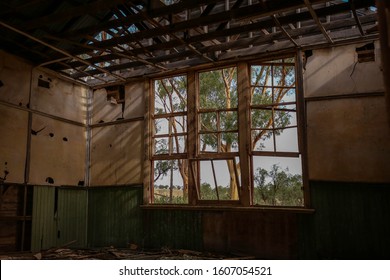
x,y
111,253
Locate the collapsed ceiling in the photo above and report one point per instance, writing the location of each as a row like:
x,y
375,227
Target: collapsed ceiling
x,y
100,42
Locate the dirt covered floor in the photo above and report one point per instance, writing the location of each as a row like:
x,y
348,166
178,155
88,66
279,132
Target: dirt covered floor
x,y
111,253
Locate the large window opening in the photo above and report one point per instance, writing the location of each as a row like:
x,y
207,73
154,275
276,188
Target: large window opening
x,y
276,161
217,177
170,164
197,155
218,134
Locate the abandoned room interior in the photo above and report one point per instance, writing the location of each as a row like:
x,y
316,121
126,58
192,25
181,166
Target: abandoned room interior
x,y
255,128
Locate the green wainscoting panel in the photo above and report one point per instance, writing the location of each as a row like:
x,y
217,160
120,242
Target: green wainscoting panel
x,y
114,216
179,229
351,221
59,217
72,217
44,223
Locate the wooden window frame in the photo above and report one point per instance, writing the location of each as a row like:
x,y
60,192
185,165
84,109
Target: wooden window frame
x,y
193,155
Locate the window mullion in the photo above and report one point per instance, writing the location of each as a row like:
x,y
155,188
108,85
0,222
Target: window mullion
x,y
218,133
192,138
244,132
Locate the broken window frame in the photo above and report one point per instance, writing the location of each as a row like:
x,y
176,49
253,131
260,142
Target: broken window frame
x,y
218,154
219,130
196,169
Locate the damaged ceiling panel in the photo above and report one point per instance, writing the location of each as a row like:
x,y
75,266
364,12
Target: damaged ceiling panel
x,y
99,42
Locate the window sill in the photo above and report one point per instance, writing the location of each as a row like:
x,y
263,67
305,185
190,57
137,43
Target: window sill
x,y
228,208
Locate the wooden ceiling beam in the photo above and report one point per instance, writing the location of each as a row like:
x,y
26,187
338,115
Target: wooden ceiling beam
x,y
242,43
67,14
349,36
307,30
253,11
137,64
223,25
159,12
355,15
246,28
59,50
244,12
284,30
317,20
293,18
158,25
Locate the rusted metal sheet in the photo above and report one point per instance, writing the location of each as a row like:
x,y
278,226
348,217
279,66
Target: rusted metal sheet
x,y
114,216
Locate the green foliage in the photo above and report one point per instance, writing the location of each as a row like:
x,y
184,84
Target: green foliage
x,y
167,200
277,187
212,89
218,91
209,193
163,194
171,95
162,167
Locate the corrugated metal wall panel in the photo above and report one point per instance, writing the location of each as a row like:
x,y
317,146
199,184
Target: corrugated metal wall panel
x,y
43,219
351,221
263,234
178,229
72,217
114,216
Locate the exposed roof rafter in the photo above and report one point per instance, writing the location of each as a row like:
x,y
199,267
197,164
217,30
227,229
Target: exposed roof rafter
x,y
100,41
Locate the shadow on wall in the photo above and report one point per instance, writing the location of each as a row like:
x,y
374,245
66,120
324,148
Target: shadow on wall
x,y
337,71
117,154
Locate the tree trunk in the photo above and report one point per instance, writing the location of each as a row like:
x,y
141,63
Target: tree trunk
x,y
233,181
